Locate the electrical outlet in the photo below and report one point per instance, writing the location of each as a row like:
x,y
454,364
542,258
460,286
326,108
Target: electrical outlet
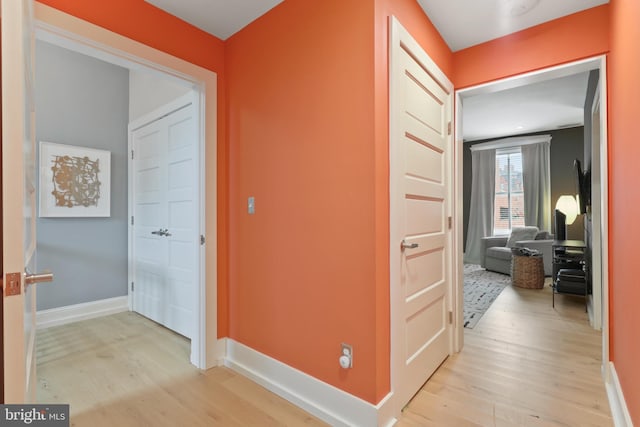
x,y
346,356
251,205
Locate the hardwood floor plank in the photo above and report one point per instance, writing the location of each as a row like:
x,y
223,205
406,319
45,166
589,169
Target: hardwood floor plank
x,y
524,364
126,370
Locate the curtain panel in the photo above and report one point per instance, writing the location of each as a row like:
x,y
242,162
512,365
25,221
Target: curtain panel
x,y
536,177
483,187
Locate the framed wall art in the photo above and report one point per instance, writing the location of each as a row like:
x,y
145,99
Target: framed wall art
x,y
74,181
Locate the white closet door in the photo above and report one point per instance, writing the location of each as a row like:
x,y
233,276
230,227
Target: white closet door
x,y
166,232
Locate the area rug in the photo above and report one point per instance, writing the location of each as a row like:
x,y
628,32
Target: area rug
x,y
481,288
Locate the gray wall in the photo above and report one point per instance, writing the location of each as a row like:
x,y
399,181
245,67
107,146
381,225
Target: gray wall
x,y
83,101
566,145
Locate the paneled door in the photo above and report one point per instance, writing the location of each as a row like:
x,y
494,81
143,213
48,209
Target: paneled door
x,y
18,201
165,222
420,170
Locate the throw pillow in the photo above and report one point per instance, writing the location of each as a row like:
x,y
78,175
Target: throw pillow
x,y
521,233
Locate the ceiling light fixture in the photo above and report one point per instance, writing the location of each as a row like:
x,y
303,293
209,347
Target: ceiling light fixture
x,y
520,7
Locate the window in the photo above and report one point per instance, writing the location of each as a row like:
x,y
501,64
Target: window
x,y
509,198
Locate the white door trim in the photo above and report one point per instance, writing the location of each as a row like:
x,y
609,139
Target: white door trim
x,y
75,34
595,300
597,62
399,37
192,97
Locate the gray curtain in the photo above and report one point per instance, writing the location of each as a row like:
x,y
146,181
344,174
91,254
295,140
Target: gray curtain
x,y
483,187
536,177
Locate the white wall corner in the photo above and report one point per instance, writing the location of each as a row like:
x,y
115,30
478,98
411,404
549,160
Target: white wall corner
x,y
220,352
320,399
619,409
75,313
149,91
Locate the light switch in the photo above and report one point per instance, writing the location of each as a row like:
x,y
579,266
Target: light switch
x,y
251,205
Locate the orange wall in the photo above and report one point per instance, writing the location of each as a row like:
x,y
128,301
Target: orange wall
x,y
566,39
624,209
140,21
300,111
308,139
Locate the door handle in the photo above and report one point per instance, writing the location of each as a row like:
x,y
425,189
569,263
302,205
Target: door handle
x,y
162,232
32,278
405,245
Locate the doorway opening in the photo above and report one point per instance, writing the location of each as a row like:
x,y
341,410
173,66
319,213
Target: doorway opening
x,y
594,231
82,38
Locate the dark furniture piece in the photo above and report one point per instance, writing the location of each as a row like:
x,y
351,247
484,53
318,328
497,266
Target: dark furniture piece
x,y
560,221
569,276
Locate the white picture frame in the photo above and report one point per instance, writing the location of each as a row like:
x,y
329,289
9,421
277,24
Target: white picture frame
x,y
74,181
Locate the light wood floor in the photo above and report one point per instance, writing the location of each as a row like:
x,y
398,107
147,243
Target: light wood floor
x,y
524,364
124,370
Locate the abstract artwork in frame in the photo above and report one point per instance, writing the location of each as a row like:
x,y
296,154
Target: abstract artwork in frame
x,y
74,181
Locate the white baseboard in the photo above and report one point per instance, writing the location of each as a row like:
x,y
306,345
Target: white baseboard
x,y
619,410
77,312
322,400
221,352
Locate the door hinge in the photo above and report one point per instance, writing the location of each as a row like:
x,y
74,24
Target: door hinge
x,y
449,128
131,154
451,317
202,239
450,220
133,286
131,219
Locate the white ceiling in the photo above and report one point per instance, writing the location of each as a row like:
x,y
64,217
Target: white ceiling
x,y
222,18
542,106
464,23
547,105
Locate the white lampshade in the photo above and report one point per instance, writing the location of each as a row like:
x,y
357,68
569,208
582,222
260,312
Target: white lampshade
x,y
568,206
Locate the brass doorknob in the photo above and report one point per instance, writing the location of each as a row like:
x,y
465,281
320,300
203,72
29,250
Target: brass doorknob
x,y
31,278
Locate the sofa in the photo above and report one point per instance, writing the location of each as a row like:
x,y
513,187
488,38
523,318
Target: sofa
x,y
496,250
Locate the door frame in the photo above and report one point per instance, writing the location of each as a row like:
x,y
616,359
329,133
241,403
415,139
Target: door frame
x,y
399,36
192,97
597,239
61,29
597,62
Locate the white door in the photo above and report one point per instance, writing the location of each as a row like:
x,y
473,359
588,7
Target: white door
x,y
166,232
420,113
18,200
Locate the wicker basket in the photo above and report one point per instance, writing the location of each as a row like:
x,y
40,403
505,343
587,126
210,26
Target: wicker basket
x,y
527,271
